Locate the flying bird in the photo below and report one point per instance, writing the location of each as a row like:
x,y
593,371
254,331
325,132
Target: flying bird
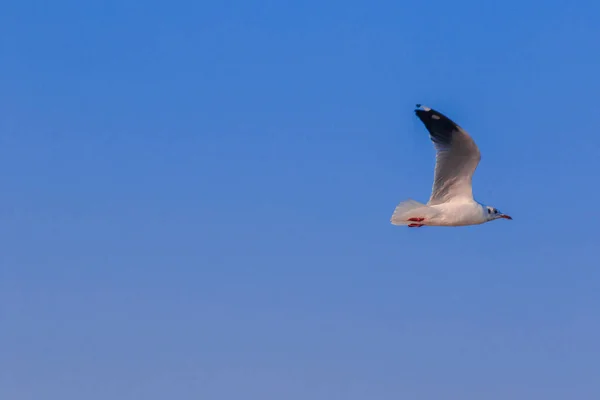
x,y
451,202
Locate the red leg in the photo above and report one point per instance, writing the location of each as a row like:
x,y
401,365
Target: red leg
x,y
415,225
416,219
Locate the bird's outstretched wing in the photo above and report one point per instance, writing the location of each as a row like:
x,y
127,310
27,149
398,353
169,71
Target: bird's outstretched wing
x,y
457,157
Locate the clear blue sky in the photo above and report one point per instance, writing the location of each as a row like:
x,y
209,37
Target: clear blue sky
x,y
195,201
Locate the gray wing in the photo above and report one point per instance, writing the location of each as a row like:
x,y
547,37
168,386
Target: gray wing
x,y
457,157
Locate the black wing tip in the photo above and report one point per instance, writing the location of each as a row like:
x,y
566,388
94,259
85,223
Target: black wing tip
x,y
439,126
424,111
421,111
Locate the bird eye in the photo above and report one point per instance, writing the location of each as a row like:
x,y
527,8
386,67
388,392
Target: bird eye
x,y
495,211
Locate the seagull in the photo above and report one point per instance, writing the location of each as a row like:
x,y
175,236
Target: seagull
x,y
451,202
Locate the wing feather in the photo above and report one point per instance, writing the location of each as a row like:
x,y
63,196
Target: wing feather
x,y
457,157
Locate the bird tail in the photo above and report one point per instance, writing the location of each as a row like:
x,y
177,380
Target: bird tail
x,y
410,209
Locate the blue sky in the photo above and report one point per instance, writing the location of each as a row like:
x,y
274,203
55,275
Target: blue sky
x,y
196,200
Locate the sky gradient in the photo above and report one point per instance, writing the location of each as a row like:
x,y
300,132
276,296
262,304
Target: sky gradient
x,y
195,201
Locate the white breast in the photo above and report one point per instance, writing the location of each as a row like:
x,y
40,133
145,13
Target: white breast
x,y
458,214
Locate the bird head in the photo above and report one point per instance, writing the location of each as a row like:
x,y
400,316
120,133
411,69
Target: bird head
x,y
493,213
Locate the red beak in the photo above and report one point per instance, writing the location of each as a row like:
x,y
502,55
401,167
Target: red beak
x,y
505,216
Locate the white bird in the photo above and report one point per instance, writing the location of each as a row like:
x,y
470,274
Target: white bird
x,y
451,202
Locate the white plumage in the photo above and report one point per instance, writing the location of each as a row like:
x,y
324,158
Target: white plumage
x,y
451,202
